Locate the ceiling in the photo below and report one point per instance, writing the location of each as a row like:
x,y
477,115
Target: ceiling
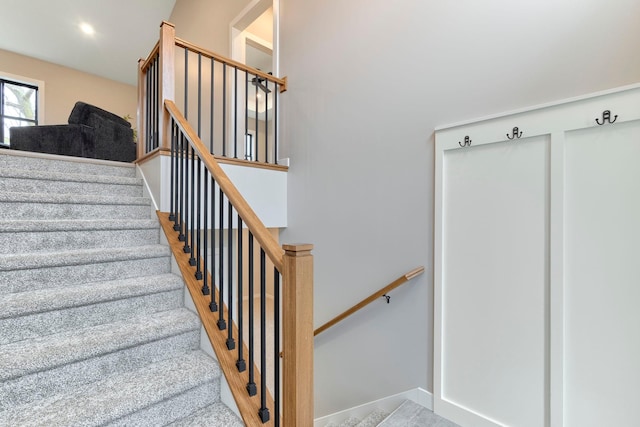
x,y
125,31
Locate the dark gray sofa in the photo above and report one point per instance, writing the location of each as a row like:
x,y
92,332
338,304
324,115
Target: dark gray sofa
x,y
92,132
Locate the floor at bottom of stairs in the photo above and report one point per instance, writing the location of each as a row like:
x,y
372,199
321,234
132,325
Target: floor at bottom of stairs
x,y
408,414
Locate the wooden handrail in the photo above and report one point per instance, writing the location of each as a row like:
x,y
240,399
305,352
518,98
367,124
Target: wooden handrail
x,y
146,62
399,281
249,217
240,66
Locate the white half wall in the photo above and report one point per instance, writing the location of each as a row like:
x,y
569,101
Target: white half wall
x,y
264,189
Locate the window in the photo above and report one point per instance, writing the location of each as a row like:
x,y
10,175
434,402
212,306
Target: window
x,y
19,107
248,146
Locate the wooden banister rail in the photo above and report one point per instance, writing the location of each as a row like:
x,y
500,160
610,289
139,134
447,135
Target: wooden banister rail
x,y
235,64
399,281
251,220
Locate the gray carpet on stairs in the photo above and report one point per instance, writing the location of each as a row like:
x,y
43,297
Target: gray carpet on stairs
x,y
93,330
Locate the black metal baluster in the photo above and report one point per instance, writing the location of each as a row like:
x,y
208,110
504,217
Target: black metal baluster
x,y
212,100
257,135
159,106
187,193
181,196
192,212
154,111
264,411
172,213
156,108
276,345
251,385
198,222
175,176
205,219
147,112
199,94
247,149
235,114
275,123
152,107
224,110
222,325
213,305
231,344
266,122
240,363
186,83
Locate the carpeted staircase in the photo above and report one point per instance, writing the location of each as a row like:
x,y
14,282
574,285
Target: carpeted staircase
x,y
93,328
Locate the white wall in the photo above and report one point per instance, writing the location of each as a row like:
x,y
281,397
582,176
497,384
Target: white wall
x,y
369,80
264,189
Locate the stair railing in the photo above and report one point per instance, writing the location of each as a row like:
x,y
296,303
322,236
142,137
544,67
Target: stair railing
x,y
373,297
226,254
208,215
231,106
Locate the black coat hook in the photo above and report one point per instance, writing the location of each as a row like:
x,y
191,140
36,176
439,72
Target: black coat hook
x,y
387,297
515,133
606,118
466,143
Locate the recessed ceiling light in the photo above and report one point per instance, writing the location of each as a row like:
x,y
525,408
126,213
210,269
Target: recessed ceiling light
x,y
87,29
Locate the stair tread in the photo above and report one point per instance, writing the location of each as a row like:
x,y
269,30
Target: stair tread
x,y
65,198
118,395
46,225
68,177
113,350
215,415
410,413
373,419
38,354
25,303
349,422
27,160
79,257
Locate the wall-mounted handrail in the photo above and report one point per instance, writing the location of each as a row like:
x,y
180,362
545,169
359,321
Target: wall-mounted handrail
x,y
377,295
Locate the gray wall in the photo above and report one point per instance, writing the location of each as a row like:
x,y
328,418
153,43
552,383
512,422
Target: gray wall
x,y
369,80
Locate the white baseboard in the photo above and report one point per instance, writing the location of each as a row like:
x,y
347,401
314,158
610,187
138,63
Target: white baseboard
x,y
146,190
388,404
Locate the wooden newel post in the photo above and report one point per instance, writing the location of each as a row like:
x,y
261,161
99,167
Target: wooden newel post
x,y
140,114
166,85
297,330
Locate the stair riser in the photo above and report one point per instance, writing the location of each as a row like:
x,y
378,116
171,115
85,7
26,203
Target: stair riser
x,y
28,211
9,184
40,324
65,378
22,242
86,168
173,408
41,278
